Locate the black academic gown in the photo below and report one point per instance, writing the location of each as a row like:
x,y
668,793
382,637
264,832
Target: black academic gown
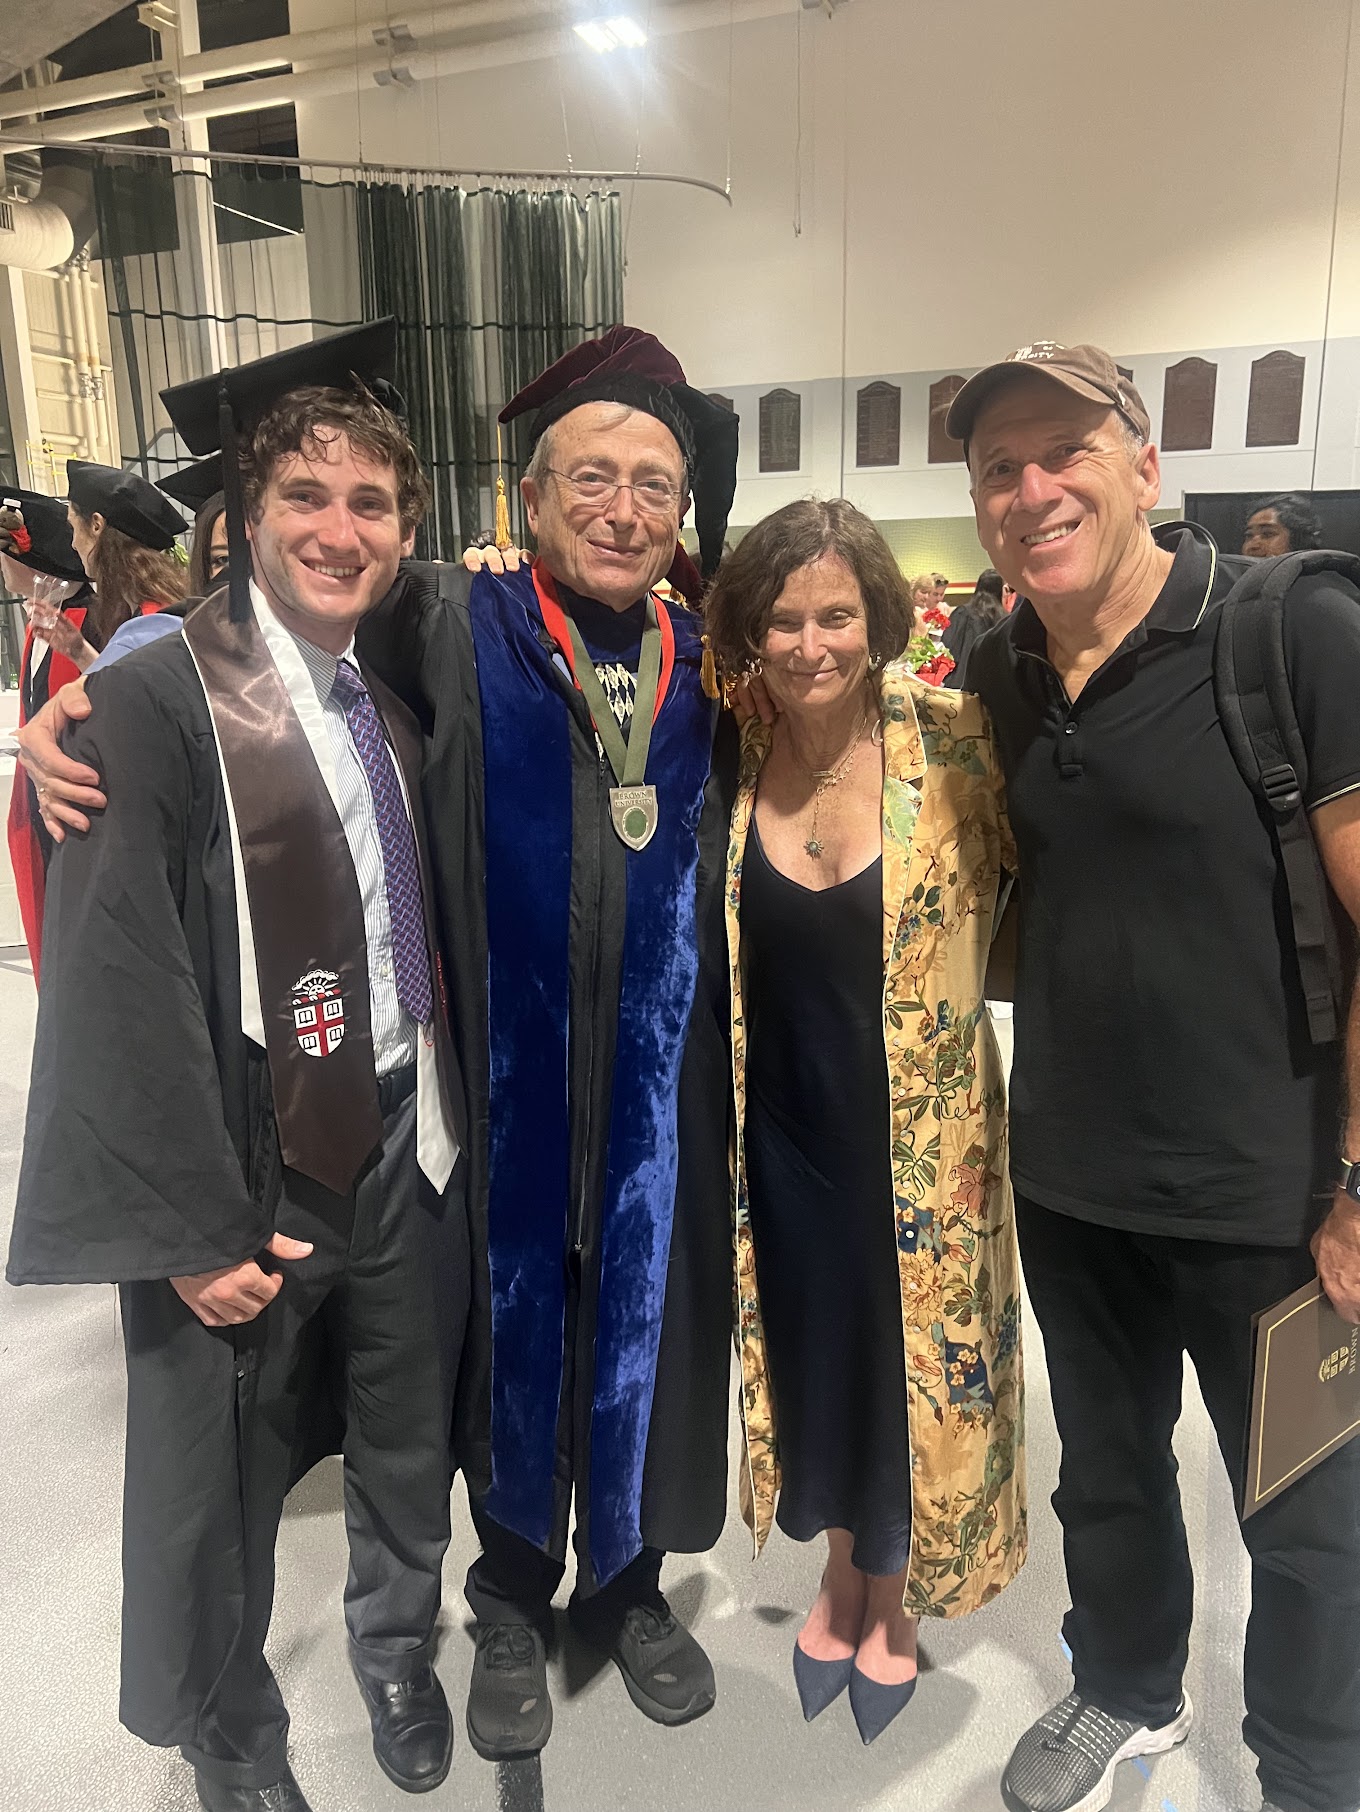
x,y
151,1151
422,645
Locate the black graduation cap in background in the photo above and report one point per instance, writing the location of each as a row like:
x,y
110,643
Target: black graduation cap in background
x,y
126,501
46,527
194,485
212,413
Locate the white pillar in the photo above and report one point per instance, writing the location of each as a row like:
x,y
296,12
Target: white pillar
x,y
35,468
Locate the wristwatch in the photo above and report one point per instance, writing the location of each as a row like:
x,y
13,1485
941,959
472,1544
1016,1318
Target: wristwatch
x,y
1349,1180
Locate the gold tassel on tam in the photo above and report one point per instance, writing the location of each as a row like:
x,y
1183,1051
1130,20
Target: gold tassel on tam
x,y
708,671
503,536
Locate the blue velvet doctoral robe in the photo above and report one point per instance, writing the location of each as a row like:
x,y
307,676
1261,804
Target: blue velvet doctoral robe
x,y
589,996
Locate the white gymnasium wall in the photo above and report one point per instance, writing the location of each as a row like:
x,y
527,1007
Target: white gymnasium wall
x,y
964,178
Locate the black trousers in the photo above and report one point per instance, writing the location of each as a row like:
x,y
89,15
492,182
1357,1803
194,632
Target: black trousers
x,y
512,1581
1118,1311
216,1420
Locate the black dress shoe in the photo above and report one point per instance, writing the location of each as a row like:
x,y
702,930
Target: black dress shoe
x,y
509,1713
412,1728
282,1796
668,1675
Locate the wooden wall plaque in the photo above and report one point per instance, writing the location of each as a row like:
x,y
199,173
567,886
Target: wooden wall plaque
x,y
723,402
1275,405
942,450
878,428
1188,406
781,431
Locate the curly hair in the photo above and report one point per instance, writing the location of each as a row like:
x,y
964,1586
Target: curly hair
x,y
751,579
127,574
306,419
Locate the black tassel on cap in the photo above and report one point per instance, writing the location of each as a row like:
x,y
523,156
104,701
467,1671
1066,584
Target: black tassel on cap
x,y
238,547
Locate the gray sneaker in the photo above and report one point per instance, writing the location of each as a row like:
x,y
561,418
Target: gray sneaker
x,y
1066,1762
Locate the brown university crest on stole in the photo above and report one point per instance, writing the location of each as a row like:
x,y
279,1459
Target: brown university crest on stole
x,y
318,1011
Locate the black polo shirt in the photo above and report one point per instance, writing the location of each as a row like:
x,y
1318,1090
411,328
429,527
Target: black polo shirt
x,y
1164,1080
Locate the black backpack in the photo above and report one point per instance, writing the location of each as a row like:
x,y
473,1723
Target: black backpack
x,y
1256,709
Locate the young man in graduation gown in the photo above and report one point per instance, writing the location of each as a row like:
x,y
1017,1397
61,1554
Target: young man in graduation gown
x,y
580,898
245,1109
571,738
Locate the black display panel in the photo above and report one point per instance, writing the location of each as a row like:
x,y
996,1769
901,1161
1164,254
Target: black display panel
x,y
1225,513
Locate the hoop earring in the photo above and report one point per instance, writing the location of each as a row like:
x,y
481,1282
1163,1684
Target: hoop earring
x,y
754,669
875,662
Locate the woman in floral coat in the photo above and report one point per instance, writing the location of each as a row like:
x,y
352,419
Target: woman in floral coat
x,y
877,1279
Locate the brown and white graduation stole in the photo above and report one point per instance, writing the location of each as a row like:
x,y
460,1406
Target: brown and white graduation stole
x,y
311,952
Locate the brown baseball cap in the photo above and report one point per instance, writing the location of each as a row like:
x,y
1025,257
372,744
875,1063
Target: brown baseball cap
x,y
1086,371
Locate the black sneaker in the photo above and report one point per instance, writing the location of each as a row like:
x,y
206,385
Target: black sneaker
x,y
509,1713
668,1676
1066,1762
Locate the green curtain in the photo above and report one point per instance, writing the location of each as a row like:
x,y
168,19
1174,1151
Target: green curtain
x,y
488,284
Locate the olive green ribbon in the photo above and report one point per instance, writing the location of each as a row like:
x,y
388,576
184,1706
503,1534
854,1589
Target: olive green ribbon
x,y
628,760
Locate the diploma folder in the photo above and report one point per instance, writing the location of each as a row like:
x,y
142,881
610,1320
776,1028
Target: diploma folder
x,y
1305,1400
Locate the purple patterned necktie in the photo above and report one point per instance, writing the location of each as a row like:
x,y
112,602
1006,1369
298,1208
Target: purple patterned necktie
x,y
400,869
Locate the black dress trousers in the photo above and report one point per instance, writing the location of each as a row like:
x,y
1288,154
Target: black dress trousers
x,y
1119,1311
216,1418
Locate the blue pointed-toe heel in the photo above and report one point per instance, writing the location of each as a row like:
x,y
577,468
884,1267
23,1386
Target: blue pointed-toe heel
x,y
819,1682
876,1705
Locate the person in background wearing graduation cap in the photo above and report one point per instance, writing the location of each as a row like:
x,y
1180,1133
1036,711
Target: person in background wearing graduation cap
x,y
39,564
265,1168
199,486
579,813
123,530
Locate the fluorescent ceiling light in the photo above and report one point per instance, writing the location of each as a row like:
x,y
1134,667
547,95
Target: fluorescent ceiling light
x,y
619,33
627,32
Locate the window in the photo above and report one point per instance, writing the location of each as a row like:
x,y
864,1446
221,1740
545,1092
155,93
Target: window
x,y
250,200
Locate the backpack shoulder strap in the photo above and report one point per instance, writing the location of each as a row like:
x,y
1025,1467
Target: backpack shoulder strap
x,y
1256,709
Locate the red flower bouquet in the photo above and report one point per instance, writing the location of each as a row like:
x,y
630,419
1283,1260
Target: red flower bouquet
x,y
928,661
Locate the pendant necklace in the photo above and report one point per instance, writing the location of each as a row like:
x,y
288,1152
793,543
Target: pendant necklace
x,y
825,779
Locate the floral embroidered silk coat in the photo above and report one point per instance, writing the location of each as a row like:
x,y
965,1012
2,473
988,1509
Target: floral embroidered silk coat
x,y
945,842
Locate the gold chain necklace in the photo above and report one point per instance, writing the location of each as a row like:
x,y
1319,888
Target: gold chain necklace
x,y
826,778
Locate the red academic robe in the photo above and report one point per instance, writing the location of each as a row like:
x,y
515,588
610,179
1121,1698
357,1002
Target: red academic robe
x,y
25,848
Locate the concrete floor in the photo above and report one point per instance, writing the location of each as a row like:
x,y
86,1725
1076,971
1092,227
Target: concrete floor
x,y
62,1750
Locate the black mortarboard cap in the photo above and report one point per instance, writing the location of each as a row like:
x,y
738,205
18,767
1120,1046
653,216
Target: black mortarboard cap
x,y
626,365
368,353
212,413
194,485
126,501
41,538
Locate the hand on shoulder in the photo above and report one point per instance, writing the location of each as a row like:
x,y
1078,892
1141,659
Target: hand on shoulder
x,y
63,786
494,560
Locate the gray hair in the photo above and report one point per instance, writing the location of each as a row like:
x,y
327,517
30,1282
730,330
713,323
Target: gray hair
x,y
540,460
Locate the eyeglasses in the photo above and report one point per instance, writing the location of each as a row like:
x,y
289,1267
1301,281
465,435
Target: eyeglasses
x,y
652,496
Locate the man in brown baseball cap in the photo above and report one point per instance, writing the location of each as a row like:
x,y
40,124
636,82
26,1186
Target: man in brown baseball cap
x,y
1085,371
1173,1133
